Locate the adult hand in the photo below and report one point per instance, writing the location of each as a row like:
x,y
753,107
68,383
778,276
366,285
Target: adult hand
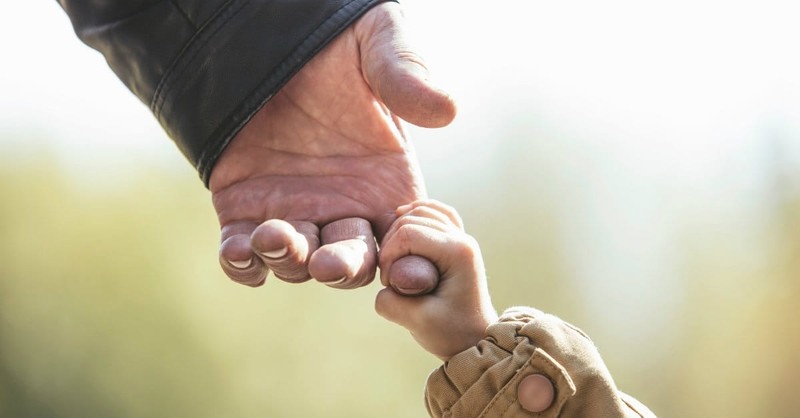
x,y
302,187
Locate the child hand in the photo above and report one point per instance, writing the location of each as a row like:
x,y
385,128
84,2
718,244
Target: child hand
x,y
454,316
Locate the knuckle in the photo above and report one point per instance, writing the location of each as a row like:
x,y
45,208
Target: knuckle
x,y
292,275
451,211
404,220
407,232
422,211
255,283
466,246
251,281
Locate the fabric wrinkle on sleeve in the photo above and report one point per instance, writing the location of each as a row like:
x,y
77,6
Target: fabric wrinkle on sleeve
x,y
483,381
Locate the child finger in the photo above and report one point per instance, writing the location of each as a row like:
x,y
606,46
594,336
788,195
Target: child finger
x,y
411,239
415,220
397,308
436,205
445,249
432,213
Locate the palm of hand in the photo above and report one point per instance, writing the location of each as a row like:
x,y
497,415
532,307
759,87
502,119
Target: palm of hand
x,y
324,148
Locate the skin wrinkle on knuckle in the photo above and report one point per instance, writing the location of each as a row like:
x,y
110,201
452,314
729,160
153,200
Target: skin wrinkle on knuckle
x,y
424,212
404,221
255,283
441,210
382,35
291,267
406,234
406,55
390,242
248,280
384,27
290,279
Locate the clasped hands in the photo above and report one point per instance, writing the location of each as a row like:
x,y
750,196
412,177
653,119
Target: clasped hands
x,y
314,178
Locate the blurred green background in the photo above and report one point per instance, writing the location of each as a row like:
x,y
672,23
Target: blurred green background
x,y
633,168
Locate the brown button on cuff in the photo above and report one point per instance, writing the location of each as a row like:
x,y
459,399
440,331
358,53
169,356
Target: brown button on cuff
x,y
536,393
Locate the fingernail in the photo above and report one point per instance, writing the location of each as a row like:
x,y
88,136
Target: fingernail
x,y
276,253
338,281
409,291
241,264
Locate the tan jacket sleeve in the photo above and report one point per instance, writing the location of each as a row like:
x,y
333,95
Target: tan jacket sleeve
x,y
484,380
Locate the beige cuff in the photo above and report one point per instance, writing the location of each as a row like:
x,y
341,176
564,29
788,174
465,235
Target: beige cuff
x,y
484,380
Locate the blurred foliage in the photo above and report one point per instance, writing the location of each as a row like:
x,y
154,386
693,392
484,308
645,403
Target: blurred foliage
x,y
737,356
112,305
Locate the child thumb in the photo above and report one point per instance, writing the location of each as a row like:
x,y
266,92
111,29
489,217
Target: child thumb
x,y
395,307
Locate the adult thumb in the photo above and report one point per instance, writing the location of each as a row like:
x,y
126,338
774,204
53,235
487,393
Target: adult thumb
x,y
396,74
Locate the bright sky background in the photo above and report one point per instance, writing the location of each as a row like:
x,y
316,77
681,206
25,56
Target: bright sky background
x,y
60,93
685,101
679,79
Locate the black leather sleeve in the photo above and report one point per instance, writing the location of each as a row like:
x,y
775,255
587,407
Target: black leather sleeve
x,y
206,66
